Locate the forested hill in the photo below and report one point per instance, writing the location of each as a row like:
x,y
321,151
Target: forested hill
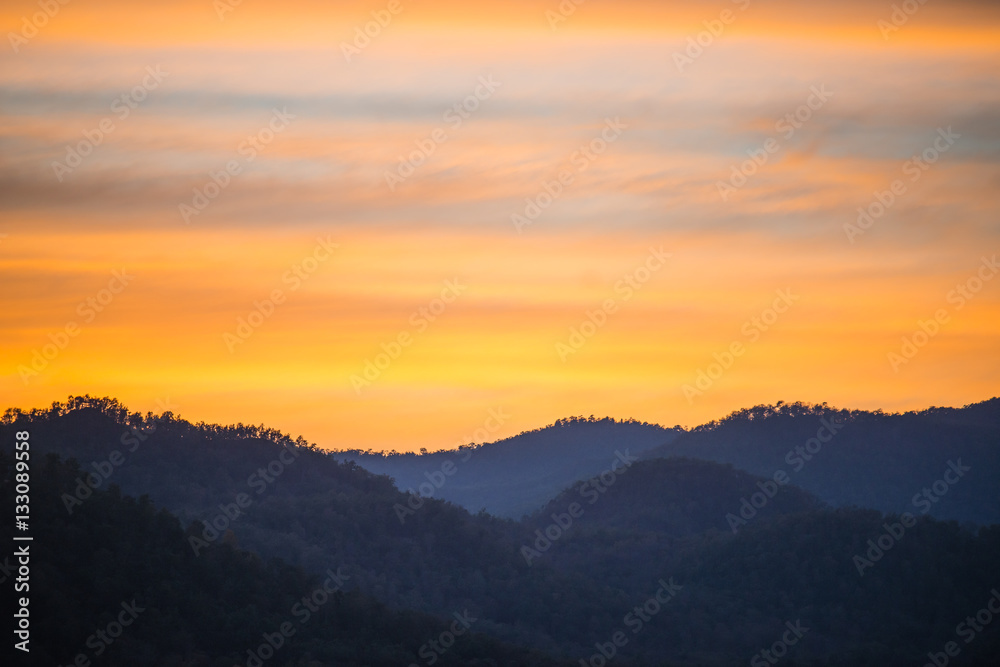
x,y
116,584
677,498
303,506
889,462
872,589
517,475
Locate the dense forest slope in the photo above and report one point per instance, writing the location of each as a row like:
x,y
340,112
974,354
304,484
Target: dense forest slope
x,y
679,497
725,558
517,475
889,462
117,584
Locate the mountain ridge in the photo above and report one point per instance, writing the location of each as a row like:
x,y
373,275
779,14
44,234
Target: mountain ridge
x,y
656,523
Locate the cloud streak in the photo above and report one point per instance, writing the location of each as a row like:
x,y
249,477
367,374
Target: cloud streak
x,y
656,185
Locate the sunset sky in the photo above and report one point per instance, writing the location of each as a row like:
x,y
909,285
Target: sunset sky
x,y
487,106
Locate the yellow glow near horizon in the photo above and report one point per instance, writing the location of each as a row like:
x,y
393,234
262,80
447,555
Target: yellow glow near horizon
x,y
553,93
495,345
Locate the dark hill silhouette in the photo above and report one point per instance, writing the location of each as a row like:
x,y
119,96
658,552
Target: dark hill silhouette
x,y
118,555
517,475
876,460
315,511
659,522
677,498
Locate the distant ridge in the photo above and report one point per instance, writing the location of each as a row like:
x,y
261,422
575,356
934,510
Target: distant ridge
x,y
885,588
870,459
886,461
517,475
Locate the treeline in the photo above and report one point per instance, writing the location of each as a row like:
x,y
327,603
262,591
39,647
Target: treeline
x,y
868,459
651,520
119,414
988,409
563,423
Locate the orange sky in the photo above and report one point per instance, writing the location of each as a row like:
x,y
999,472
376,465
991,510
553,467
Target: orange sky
x,y
653,183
